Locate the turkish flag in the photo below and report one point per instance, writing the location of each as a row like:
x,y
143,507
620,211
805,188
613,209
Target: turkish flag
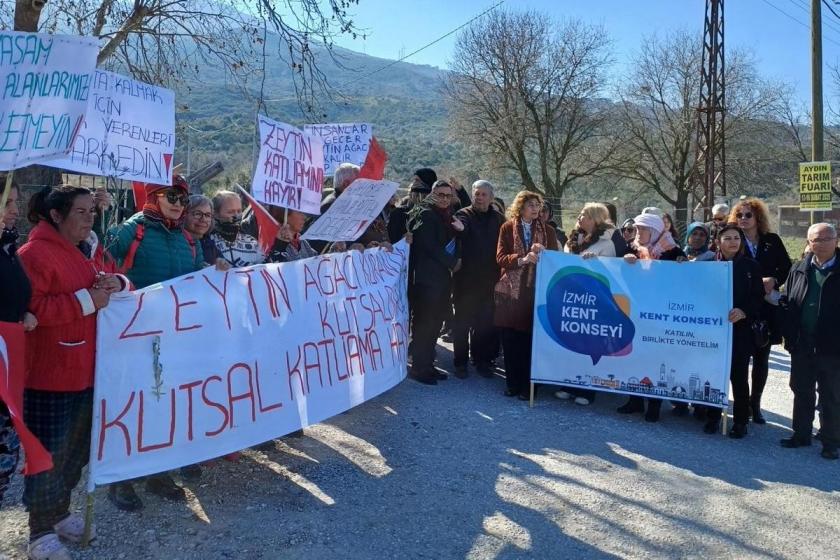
x,y
267,225
374,166
139,189
38,459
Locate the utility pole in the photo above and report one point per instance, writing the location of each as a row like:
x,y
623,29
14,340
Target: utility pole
x,y
817,152
710,163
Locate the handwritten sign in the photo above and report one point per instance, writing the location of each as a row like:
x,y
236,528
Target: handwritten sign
x,y
353,211
129,132
815,186
290,168
46,81
343,142
634,329
213,362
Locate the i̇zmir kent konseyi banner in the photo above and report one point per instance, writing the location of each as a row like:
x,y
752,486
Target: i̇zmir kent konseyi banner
x,y
652,328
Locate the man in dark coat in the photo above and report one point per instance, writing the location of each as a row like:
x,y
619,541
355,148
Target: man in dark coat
x,y
473,284
434,257
812,304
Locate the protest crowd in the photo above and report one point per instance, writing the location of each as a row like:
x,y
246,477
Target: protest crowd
x,y
472,278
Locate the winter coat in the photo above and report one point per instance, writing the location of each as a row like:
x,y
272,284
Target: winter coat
x,y
603,247
775,262
478,243
16,289
163,254
61,351
748,296
431,264
827,334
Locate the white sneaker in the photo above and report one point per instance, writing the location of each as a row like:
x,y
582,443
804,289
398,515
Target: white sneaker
x,y
72,528
582,401
47,547
563,395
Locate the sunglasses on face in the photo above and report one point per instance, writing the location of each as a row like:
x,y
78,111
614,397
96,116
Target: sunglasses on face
x,y
629,230
744,215
175,197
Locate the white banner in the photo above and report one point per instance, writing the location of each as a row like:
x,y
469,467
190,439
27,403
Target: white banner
x,y
46,81
128,133
214,362
290,168
343,143
651,328
353,211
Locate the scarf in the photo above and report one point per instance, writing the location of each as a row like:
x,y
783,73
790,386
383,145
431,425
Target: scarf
x,y
529,272
152,212
580,241
689,251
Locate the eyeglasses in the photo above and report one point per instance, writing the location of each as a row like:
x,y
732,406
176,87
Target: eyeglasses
x,y
629,230
174,197
198,215
442,195
719,218
822,240
744,215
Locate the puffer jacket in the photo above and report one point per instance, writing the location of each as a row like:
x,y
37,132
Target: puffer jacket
x,y
163,254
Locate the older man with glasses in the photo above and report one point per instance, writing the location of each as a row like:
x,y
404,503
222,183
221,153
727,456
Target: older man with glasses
x,y
812,305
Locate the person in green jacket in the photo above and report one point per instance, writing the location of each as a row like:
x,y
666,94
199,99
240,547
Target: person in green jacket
x,y
150,247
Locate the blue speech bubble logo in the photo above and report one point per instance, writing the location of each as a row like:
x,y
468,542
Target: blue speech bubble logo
x,y
582,314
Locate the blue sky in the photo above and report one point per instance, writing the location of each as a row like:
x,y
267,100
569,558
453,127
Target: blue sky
x,y
781,45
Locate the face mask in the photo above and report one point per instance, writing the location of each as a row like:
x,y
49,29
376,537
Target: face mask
x,y
9,236
230,229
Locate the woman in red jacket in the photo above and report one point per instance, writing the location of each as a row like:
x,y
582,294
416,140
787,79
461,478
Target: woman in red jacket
x,y
63,260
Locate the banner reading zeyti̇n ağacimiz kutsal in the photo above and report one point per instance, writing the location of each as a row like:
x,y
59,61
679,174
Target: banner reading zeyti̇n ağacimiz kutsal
x,y
214,362
652,328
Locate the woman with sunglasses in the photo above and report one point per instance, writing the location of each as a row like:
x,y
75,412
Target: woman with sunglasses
x,y
150,247
752,217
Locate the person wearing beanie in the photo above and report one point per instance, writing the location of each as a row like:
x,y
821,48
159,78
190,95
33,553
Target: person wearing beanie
x,y
150,247
427,178
652,210
648,246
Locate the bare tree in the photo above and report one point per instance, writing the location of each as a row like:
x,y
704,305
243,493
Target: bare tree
x,y
658,104
523,89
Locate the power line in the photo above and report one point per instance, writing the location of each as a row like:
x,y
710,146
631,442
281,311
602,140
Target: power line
x,y
834,26
424,47
830,9
805,25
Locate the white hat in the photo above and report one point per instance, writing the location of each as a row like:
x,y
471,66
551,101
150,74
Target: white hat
x,y
651,221
652,210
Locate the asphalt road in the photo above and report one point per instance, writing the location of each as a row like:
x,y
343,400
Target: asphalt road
x,y
460,471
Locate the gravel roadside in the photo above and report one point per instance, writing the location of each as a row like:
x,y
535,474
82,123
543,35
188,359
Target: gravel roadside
x,y
460,471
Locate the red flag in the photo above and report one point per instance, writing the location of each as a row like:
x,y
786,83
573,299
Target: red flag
x,y
38,459
374,166
139,188
266,224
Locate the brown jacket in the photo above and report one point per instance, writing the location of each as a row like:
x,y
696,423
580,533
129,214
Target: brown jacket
x,y
516,310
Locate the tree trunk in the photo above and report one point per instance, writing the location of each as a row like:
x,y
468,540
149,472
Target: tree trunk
x,y
681,212
28,14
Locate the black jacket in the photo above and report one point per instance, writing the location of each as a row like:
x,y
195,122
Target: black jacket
x,y
747,295
431,264
775,262
478,242
827,339
16,290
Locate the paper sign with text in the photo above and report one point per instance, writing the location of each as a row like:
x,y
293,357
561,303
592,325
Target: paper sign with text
x,y
815,186
290,167
214,362
128,133
46,81
343,143
607,325
353,211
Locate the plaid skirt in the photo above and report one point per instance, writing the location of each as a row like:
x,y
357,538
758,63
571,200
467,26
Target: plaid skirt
x,y
9,449
62,422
